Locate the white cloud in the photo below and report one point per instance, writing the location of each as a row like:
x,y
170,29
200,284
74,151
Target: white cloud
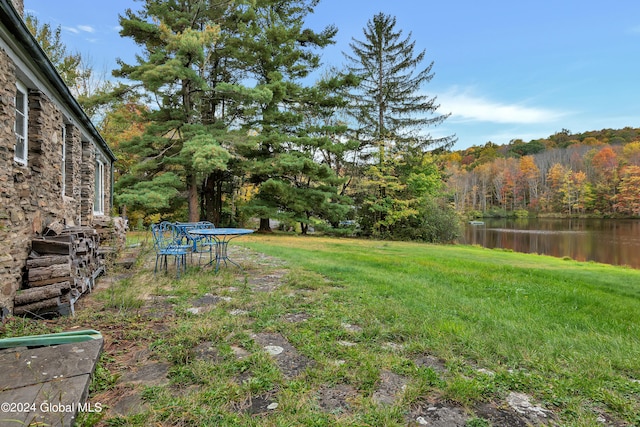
x,y
86,28
468,107
80,28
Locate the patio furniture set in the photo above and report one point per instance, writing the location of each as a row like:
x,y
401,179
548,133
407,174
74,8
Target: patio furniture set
x,y
184,239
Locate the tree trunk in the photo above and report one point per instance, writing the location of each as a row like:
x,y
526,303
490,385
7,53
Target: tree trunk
x,y
212,195
192,188
208,195
264,226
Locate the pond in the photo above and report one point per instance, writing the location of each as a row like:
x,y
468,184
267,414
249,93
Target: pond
x,y
607,241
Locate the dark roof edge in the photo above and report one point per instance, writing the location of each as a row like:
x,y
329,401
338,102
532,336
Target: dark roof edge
x,y
18,28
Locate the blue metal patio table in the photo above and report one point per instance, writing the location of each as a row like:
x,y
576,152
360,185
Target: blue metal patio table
x,y
221,236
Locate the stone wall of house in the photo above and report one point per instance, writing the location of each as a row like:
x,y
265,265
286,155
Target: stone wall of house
x,y
31,196
107,190
73,166
10,270
87,182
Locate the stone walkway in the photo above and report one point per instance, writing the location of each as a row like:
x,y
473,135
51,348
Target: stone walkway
x,y
267,275
47,385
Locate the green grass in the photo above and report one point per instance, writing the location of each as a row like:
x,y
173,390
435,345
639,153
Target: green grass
x,y
563,332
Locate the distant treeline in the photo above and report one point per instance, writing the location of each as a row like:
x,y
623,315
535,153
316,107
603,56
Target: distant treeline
x,y
591,173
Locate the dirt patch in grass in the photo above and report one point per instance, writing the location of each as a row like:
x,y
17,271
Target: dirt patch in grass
x,y
429,361
297,317
207,352
257,405
503,416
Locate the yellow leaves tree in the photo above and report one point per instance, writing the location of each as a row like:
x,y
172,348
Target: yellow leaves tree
x,y
628,197
631,153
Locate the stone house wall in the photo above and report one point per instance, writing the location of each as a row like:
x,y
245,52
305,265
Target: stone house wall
x,y
32,196
73,153
10,271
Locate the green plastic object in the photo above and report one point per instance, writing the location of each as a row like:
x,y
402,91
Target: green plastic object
x,y
51,339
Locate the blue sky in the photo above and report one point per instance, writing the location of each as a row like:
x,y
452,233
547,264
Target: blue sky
x,y
504,69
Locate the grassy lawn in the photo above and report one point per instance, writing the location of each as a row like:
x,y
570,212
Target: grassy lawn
x,y
562,332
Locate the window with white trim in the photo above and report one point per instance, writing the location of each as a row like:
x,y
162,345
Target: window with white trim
x,y
21,124
98,203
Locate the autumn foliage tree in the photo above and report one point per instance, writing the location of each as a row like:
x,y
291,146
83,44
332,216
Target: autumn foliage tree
x,y
628,197
585,177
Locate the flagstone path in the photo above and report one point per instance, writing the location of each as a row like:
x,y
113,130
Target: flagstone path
x,y
267,275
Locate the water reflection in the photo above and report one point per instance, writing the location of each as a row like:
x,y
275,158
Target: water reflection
x,y
608,241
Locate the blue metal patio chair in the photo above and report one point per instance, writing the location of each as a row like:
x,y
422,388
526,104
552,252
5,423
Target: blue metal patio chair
x,y
165,243
199,244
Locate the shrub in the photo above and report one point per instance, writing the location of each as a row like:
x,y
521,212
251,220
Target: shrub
x,y
435,223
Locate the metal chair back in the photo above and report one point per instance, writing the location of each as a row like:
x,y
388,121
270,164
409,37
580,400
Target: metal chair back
x,y
166,243
198,244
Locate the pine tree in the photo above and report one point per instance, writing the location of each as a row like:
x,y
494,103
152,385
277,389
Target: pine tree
x,y
180,144
392,115
391,111
309,183
278,52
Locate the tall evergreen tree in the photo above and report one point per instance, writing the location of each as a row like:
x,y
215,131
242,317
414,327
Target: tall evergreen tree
x,y
183,142
389,106
392,115
307,186
278,52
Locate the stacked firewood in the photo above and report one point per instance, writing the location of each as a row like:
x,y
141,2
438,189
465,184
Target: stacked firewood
x,y
63,265
113,235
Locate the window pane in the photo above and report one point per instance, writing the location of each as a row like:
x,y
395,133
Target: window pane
x,y
98,206
20,124
19,101
19,147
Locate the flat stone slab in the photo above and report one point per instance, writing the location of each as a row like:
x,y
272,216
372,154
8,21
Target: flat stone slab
x,y
47,385
390,389
151,373
207,352
288,359
130,404
336,399
438,416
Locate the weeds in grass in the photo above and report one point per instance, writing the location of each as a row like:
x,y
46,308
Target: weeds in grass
x,y
477,422
103,379
121,295
563,333
23,326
